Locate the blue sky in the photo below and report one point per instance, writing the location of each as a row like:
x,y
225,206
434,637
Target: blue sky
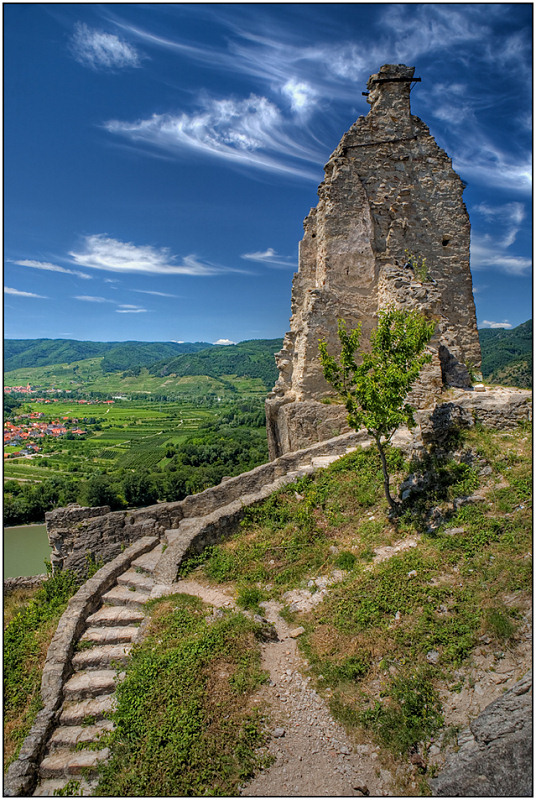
x,y
159,159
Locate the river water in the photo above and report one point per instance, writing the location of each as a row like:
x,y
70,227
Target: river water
x,y
25,549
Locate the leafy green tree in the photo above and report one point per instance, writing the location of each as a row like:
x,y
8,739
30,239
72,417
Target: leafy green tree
x,y
99,491
139,489
374,392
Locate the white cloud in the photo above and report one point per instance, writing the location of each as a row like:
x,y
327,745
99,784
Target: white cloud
x,y
301,95
487,324
17,293
105,253
131,310
271,257
99,50
45,265
225,341
92,299
307,74
485,163
157,294
486,254
250,131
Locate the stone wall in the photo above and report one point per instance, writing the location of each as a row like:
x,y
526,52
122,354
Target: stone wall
x,y
75,532
388,189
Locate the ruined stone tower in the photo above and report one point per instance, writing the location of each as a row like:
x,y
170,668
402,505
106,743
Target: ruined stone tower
x,y
389,190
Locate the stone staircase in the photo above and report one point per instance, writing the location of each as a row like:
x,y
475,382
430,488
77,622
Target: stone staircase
x,y
89,694
103,638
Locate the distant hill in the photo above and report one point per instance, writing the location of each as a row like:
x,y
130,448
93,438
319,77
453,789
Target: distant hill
x,y
507,355
129,355
253,358
23,353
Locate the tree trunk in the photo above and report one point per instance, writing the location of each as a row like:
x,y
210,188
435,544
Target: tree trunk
x,y
392,503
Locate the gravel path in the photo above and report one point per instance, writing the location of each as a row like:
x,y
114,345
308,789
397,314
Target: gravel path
x,y
313,756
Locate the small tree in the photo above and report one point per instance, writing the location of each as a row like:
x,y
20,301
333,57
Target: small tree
x,y
374,392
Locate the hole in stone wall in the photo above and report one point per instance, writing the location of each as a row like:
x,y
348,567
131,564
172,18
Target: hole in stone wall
x,y
445,242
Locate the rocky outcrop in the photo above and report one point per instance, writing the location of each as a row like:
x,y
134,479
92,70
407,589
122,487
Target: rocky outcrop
x,y
495,759
389,191
492,407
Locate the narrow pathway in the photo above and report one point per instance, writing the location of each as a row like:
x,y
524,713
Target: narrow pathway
x,y
313,755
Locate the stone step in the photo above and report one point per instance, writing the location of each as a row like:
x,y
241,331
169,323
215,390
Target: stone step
x,y
126,633
93,708
72,764
186,526
123,596
71,735
148,561
113,616
139,580
90,683
306,469
323,461
101,657
49,786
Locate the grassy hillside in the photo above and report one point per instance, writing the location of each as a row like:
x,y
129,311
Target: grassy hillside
x,y
507,355
408,612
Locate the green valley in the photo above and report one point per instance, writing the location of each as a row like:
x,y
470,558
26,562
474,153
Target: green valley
x,y
135,436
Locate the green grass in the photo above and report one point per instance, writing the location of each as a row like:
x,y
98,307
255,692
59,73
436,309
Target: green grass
x,y
26,638
378,626
184,722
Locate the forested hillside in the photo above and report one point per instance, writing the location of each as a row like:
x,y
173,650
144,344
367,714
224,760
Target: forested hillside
x,y
254,358
20,353
507,355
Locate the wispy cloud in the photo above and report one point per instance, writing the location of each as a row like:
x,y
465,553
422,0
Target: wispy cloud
x,y
87,298
17,293
485,163
122,308
509,215
492,252
250,131
104,253
311,76
487,324
484,255
45,265
157,294
270,257
100,50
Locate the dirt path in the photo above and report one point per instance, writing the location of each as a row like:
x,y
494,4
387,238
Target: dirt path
x,y
312,753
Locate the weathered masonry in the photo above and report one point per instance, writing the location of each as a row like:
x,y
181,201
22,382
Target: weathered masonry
x,y
389,193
